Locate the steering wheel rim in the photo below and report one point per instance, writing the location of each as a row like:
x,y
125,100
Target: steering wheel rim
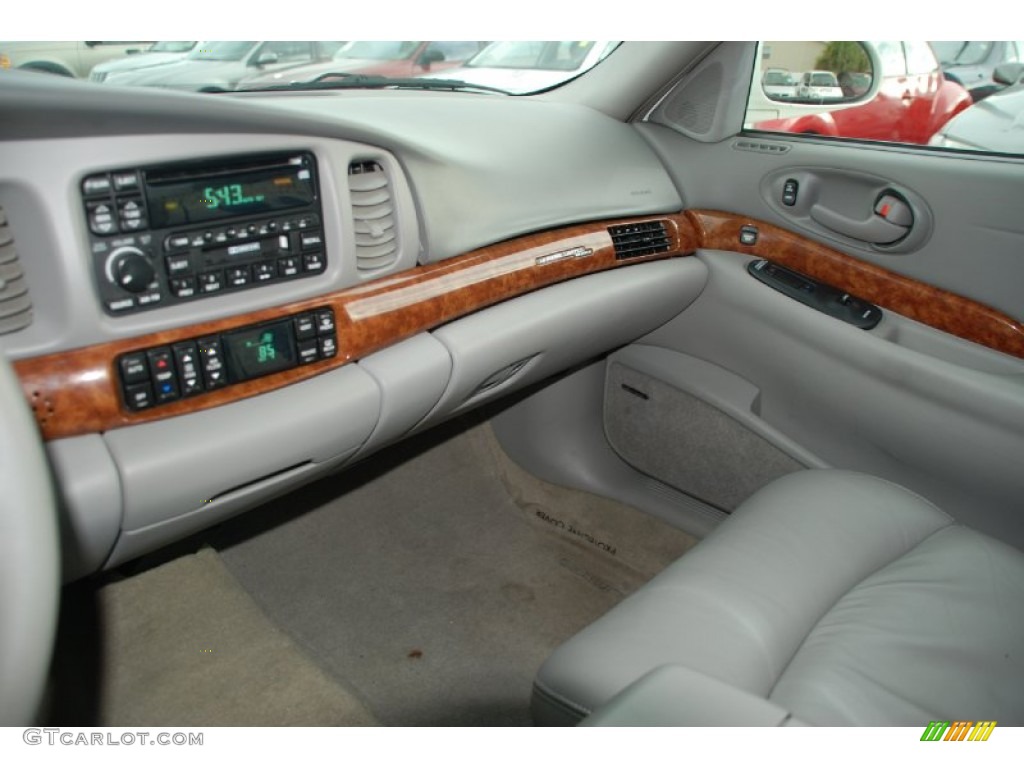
x,y
29,557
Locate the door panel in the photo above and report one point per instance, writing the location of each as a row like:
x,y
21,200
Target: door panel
x,y
906,401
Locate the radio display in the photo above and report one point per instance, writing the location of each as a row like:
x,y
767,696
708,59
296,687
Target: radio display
x,y
180,199
259,351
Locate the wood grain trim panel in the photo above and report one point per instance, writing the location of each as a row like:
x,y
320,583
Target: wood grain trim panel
x,y
927,304
77,391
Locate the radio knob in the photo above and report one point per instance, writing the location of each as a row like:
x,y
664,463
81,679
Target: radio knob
x,y
130,268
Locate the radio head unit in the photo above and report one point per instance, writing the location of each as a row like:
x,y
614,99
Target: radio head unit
x,y
166,234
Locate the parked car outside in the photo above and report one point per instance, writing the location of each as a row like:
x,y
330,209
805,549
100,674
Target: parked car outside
x,y
69,58
908,100
522,66
973,62
163,52
227,65
407,58
779,84
993,125
818,85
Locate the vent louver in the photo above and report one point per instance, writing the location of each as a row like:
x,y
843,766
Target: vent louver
x,y
373,215
643,239
15,305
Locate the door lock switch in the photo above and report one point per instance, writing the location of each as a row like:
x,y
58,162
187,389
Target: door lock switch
x,y
894,210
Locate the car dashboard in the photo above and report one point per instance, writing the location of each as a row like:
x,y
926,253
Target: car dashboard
x,y
233,296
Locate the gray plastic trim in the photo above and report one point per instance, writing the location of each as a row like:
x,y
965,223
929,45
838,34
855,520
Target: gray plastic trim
x,y
557,434
180,466
723,389
134,543
412,376
29,557
90,502
862,400
553,329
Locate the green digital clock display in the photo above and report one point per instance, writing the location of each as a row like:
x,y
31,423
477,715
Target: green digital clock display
x,y
230,195
179,198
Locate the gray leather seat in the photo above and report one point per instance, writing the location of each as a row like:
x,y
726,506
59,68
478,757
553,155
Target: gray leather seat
x,y
828,598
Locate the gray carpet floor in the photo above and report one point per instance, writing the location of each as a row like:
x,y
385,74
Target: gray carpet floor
x,y
422,587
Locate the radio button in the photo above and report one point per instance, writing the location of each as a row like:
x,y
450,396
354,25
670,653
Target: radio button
x,y
305,327
263,271
178,265
120,305
176,242
312,262
101,218
288,266
138,396
129,209
150,298
123,181
309,351
220,237
197,241
325,322
183,287
272,226
211,282
134,369
238,276
312,241
96,185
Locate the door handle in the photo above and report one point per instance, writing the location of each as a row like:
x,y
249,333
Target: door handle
x,y
891,219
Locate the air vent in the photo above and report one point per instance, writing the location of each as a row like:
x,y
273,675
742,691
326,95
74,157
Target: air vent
x,y
644,239
15,305
374,216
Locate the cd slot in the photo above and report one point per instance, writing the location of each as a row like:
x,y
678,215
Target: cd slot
x,y
161,176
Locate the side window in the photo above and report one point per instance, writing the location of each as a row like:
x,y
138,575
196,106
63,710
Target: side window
x,y
887,91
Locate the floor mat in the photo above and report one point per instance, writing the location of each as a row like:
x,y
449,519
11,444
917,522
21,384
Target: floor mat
x,y
183,645
433,580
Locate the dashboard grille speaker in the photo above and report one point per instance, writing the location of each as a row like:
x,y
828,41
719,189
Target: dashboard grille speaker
x,y
15,305
693,106
374,216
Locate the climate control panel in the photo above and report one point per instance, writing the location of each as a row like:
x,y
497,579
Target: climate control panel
x,y
164,374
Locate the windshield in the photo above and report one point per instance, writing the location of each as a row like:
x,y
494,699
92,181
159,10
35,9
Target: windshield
x,y
232,50
824,79
227,66
559,55
377,50
172,46
777,78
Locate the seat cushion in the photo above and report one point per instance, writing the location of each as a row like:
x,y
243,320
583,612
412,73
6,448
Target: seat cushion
x,y
841,597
